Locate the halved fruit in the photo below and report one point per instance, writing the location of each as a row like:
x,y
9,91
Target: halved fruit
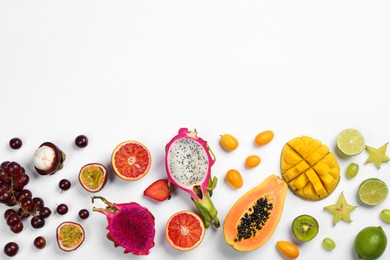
x,y
305,227
184,230
93,176
70,235
131,160
159,190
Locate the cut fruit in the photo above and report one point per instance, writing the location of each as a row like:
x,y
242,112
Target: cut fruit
x,y
184,230
372,192
131,160
305,228
93,176
350,142
310,169
159,190
70,235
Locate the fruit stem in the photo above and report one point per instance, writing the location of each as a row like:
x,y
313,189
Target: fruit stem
x,y
211,185
208,211
110,206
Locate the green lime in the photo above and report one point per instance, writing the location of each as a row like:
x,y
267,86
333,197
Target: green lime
x,y
350,142
372,192
370,243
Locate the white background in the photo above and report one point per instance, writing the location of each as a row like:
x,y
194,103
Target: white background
x,y
120,70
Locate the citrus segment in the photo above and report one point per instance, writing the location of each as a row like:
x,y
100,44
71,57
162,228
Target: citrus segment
x,y
184,230
372,192
93,176
350,142
131,160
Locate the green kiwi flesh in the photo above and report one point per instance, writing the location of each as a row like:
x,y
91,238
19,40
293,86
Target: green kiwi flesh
x,y
305,228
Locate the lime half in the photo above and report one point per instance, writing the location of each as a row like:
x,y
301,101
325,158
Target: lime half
x,y
350,142
372,192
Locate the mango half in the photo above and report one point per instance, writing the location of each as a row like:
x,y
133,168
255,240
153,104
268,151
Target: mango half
x,y
311,171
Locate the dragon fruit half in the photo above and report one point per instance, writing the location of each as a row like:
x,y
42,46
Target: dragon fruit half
x,y
130,226
188,162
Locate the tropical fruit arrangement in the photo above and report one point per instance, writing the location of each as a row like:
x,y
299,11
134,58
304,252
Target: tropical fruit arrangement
x,y
308,169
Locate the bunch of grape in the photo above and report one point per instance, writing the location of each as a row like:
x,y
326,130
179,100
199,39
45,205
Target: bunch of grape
x,y
13,180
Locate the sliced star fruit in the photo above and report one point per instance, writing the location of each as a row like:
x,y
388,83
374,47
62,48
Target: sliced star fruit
x,y
341,210
377,156
93,176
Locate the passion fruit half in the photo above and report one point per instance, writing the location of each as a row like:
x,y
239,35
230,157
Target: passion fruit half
x,y
70,235
93,176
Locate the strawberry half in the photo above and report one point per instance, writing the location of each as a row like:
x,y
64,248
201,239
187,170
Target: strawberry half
x,y
159,190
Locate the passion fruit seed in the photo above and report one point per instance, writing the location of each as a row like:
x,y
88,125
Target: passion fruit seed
x,y
70,235
92,177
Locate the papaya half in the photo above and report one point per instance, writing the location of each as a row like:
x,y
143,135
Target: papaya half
x,y
253,218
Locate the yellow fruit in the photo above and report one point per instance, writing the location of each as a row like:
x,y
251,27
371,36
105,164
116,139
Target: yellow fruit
x,y
288,249
252,161
264,138
310,169
228,142
234,178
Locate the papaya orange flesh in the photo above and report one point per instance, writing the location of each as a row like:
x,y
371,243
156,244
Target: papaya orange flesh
x,y
253,218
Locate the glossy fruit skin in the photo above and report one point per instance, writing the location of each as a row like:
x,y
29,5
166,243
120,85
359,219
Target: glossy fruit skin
x,y
264,137
40,242
229,142
81,141
234,178
11,249
370,243
352,170
288,249
15,143
252,161
328,244
385,215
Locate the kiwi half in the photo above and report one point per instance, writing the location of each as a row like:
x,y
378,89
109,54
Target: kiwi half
x,y
305,227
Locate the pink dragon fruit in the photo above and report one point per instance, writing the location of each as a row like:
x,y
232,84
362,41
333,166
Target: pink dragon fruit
x,y
130,226
188,162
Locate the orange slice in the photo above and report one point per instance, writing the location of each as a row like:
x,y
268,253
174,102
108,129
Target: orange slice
x,y
131,160
184,230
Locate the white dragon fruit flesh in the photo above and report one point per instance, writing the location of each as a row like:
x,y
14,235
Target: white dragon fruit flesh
x,y
188,162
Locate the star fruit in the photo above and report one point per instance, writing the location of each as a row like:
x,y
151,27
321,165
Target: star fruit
x,y
341,210
377,156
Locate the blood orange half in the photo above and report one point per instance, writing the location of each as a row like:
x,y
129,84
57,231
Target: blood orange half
x,y
184,230
131,160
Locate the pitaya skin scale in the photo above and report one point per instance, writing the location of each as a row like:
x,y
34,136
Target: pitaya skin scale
x,y
202,202
112,209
